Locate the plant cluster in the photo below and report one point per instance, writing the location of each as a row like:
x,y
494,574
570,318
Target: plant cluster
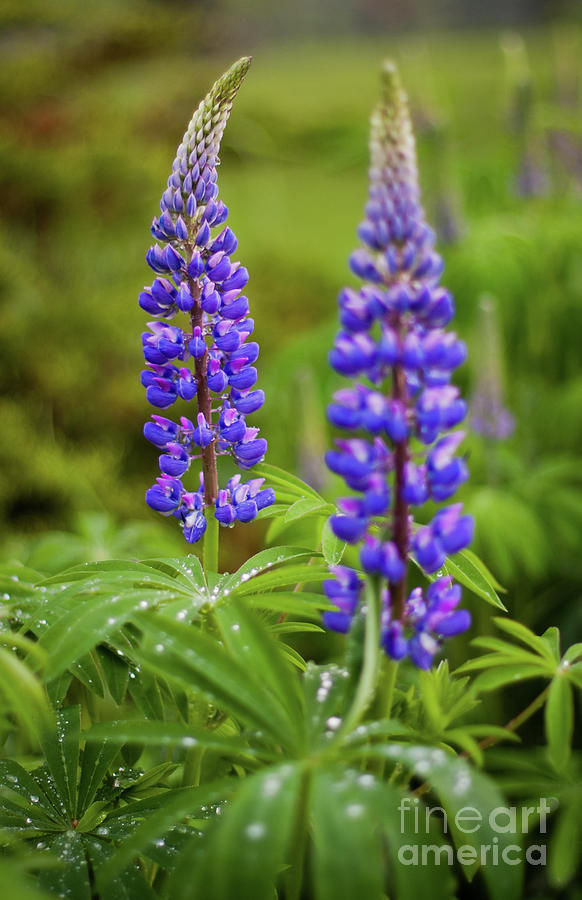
x,y
164,737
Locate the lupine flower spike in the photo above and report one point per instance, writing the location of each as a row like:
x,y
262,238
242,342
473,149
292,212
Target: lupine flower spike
x,y
401,406
210,360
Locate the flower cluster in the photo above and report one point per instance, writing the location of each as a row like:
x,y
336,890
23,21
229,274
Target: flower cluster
x,y
196,276
393,335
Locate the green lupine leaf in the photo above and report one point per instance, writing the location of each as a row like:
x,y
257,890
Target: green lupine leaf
x,y
325,689
131,884
347,859
187,570
573,653
509,674
291,483
551,636
146,694
277,557
86,671
283,577
293,656
248,640
275,511
457,786
520,654
564,855
458,737
72,878
115,673
31,796
295,603
157,816
410,881
500,660
123,570
250,843
524,634
96,760
378,730
479,730
194,659
357,822
308,507
16,883
167,734
89,623
574,674
467,569
20,642
288,627
23,694
61,750
559,721
331,546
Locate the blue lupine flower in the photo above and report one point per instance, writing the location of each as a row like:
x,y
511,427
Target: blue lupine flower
x,y
401,452
197,276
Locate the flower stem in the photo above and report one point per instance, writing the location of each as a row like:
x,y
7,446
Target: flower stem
x,y
192,767
369,674
400,511
211,535
385,693
204,402
519,719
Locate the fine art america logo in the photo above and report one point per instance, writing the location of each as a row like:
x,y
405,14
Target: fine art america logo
x,y
498,823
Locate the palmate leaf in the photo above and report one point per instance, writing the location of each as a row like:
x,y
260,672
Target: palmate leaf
x,y
357,822
90,622
72,878
458,785
23,796
347,859
155,817
181,653
250,843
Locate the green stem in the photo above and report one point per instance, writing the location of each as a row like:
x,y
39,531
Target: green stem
x,y
385,693
369,674
519,719
210,551
192,767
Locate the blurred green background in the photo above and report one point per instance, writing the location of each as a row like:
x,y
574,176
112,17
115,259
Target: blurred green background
x,y
94,99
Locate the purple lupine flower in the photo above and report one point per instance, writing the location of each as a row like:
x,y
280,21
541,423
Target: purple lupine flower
x,y
400,407
209,358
